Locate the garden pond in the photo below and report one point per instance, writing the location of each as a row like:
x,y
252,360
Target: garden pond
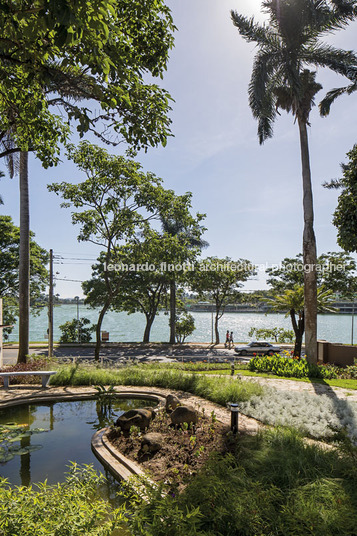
x,y
44,438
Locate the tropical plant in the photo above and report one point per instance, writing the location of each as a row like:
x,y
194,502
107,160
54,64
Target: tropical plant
x,y
91,53
288,45
292,301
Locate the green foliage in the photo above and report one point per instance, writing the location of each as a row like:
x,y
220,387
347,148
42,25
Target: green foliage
x,y
345,214
9,269
62,54
279,335
71,508
219,390
336,271
76,331
219,280
37,363
185,326
271,484
291,368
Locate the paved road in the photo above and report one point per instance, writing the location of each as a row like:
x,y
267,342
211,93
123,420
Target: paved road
x,y
127,352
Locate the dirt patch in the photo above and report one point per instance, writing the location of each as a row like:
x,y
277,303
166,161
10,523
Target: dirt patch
x,y
183,451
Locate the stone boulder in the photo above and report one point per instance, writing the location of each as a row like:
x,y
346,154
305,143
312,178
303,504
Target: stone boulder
x,y
134,417
151,443
172,402
184,414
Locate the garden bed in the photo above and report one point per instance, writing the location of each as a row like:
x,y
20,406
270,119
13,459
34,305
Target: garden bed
x,y
183,452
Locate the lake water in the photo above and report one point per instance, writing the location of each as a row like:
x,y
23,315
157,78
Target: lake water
x,y
130,328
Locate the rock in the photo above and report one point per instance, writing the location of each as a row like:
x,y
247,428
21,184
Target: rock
x,y
171,403
134,417
151,442
184,414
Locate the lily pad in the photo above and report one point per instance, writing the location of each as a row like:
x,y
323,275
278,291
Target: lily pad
x,y
26,450
6,457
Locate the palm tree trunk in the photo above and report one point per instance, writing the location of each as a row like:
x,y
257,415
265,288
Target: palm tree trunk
x,y
309,251
24,260
172,311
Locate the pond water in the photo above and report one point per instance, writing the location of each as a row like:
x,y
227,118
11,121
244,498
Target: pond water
x,y
66,436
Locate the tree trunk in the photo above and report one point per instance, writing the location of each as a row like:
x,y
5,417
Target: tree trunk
x,y
149,322
98,341
24,260
216,327
309,251
172,311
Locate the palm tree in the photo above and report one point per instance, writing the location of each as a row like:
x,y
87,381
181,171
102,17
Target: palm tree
x,y
17,163
292,301
280,79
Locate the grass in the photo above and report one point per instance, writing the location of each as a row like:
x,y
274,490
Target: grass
x,y
271,484
337,382
219,390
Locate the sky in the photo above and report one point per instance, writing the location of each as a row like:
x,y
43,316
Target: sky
x,y
251,194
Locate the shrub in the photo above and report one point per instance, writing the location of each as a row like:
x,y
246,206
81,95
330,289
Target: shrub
x,y
271,484
185,326
291,368
72,508
39,363
76,331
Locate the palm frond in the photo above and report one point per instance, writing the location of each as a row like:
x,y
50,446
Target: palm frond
x,y
331,96
254,32
322,55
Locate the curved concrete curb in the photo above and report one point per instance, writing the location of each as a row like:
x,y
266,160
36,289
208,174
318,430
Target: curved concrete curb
x,y
120,466
61,395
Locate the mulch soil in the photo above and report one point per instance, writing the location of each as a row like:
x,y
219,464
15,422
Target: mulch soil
x,y
183,452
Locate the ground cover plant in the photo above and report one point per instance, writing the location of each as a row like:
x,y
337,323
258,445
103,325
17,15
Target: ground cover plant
x,y
316,416
269,484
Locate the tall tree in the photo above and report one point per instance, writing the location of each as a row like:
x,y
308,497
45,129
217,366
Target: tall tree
x,y
345,215
336,271
188,231
10,283
280,79
113,204
63,55
219,280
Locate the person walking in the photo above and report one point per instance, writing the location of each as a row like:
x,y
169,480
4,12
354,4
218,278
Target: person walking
x,y
226,344
231,342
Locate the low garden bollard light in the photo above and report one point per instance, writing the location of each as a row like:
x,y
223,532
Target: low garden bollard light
x,y
234,417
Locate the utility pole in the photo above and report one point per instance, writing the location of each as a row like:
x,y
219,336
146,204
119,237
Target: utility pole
x,y
1,351
50,308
